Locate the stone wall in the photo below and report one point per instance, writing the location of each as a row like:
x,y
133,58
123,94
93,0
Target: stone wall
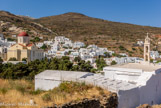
x,y
149,106
104,101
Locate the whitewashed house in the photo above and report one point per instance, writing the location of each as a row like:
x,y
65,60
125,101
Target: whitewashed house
x,y
123,54
40,44
154,54
140,43
5,42
61,53
92,47
48,43
61,39
68,44
78,45
74,54
91,60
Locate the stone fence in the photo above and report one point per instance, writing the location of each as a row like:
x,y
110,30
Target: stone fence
x,y
104,101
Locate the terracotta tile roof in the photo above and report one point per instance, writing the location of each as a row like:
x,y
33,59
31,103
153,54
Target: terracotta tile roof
x,y
23,34
22,45
29,45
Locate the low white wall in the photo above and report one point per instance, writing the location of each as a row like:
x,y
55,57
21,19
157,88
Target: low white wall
x,y
44,84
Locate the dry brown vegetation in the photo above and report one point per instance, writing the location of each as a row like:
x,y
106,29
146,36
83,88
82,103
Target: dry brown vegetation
x,y
21,91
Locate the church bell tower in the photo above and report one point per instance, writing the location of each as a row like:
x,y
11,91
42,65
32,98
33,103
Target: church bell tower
x,y
147,49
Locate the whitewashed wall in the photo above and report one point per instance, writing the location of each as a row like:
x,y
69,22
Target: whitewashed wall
x,y
151,93
46,84
129,98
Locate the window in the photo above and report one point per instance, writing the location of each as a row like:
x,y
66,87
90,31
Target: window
x,y
147,49
33,53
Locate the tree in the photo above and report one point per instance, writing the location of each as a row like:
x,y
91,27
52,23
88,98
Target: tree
x,y
44,47
1,60
100,62
113,62
24,59
122,47
29,70
77,59
107,54
36,39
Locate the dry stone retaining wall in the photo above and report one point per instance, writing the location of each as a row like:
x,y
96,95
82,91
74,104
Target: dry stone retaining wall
x,y
110,101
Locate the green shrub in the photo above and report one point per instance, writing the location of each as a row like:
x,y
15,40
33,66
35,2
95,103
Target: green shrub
x,y
3,90
38,91
12,59
122,48
46,97
113,62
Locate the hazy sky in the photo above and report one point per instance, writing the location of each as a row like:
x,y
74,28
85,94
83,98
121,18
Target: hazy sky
x,y
141,12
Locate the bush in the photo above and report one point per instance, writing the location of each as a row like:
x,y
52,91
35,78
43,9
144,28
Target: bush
x,y
24,59
113,62
71,87
12,59
38,91
133,49
1,60
122,48
46,97
3,91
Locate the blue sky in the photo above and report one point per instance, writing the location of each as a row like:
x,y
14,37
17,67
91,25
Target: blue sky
x,y
141,12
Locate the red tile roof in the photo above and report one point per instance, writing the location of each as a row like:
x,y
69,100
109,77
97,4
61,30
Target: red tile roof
x,y
23,34
29,45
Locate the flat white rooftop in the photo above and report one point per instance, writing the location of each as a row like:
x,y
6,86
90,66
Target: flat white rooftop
x,y
143,66
62,75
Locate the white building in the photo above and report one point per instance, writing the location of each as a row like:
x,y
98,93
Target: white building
x,y
61,53
91,60
5,42
136,83
143,83
74,54
78,45
40,44
140,43
61,39
48,42
154,54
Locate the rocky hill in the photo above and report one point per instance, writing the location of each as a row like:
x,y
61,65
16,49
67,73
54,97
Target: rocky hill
x,y
13,24
116,36
112,35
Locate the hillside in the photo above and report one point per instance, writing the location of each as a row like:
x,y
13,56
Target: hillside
x,y
13,24
97,31
116,36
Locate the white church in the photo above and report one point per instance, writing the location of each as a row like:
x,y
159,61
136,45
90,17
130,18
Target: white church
x,y
143,81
